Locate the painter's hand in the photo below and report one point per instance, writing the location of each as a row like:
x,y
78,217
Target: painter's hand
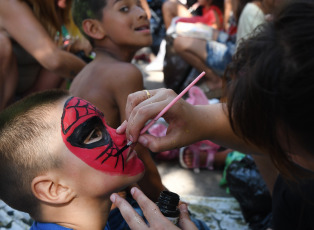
x,y
181,119
154,217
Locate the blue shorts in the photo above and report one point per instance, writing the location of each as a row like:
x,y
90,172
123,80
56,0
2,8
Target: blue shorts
x,y
219,55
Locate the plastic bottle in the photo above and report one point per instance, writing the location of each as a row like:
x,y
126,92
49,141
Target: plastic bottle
x,y
168,204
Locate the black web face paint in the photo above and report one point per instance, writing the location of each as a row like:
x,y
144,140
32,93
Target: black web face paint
x,y
86,134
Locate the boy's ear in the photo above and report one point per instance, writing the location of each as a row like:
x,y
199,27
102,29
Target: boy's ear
x,y
48,188
93,29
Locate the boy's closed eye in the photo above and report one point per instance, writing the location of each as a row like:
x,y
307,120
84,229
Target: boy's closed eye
x,y
94,136
90,134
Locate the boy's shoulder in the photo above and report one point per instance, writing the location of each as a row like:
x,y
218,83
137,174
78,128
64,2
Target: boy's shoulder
x,y
107,78
108,73
113,69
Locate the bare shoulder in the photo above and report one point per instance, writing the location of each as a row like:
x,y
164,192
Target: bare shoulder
x,y
108,78
8,4
125,76
126,72
9,7
93,77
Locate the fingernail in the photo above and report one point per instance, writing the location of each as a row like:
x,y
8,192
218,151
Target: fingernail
x,y
133,190
113,198
118,129
143,141
131,138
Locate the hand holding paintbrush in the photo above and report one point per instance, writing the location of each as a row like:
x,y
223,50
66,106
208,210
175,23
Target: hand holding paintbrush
x,y
166,109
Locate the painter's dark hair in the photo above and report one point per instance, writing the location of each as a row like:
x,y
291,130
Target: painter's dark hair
x,y
273,87
26,130
87,9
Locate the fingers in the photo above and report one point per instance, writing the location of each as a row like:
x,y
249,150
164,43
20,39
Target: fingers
x,y
122,128
136,98
151,212
159,144
129,214
185,222
140,113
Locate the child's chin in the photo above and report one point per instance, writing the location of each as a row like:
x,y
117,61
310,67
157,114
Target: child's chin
x,y
134,166
136,178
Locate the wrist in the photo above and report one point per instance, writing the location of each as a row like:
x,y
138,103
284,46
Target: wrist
x,y
208,120
201,120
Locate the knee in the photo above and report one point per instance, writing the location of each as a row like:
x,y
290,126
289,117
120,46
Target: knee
x,y
168,7
179,45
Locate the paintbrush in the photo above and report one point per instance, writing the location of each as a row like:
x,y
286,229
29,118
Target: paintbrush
x,y
162,112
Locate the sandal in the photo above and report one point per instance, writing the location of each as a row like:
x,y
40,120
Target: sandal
x,y
205,147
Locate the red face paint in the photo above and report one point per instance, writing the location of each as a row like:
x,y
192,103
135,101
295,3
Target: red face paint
x,y
86,134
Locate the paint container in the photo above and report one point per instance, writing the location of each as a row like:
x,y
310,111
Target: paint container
x,y
168,204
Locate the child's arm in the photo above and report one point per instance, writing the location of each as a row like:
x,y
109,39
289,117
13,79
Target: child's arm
x,y
17,19
146,8
132,81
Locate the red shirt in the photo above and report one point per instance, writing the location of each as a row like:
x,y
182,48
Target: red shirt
x,y
207,18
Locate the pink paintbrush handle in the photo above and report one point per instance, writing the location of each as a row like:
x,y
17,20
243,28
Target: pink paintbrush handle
x,y
162,112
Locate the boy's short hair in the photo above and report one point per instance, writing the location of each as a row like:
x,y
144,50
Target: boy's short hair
x,y
26,135
87,9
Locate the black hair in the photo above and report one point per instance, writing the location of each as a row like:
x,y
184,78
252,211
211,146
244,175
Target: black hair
x,y
26,134
87,9
273,86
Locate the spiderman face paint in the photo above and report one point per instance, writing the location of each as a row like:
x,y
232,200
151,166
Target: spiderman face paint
x,y
86,134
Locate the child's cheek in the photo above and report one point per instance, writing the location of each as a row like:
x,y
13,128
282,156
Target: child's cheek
x,y
118,139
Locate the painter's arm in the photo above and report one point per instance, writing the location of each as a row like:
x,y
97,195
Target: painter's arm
x,y
187,123
19,22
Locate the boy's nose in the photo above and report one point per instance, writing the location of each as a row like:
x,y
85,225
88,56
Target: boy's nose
x,y
141,12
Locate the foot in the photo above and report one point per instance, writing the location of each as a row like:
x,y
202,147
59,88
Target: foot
x,y
195,159
188,157
197,156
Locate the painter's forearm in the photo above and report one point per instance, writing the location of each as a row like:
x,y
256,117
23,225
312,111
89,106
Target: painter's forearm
x,y
213,124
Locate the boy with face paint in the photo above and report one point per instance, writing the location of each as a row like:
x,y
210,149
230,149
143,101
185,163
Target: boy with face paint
x,y
60,161
116,29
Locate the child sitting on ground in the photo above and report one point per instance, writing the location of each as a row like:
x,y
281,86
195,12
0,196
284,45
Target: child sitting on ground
x,y
116,29
60,161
